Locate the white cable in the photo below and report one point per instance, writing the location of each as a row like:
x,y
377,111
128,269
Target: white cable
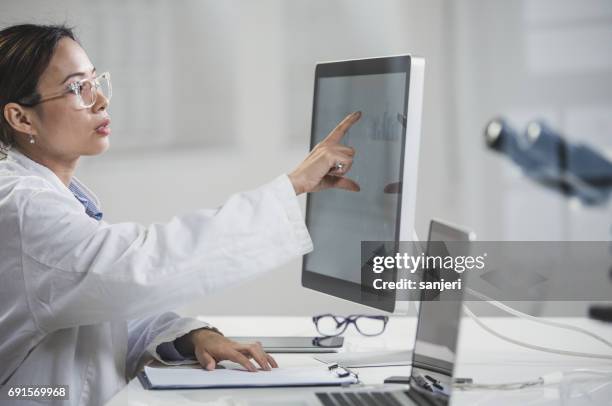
x,y
531,346
588,371
553,378
522,315
500,386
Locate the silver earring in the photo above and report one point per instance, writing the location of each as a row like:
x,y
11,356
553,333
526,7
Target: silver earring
x,y
32,140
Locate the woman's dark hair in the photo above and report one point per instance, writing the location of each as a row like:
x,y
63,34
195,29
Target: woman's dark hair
x,y
25,53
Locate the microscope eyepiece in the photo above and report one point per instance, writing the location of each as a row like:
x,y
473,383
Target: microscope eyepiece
x,y
494,133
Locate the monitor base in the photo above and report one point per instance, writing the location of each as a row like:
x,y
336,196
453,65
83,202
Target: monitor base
x,y
403,380
383,358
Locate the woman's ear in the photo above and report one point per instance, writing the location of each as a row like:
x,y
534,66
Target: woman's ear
x,y
19,118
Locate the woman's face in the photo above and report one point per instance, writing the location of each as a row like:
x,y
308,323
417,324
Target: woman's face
x,y
64,129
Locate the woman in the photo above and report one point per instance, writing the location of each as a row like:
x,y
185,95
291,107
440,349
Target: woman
x,y
85,303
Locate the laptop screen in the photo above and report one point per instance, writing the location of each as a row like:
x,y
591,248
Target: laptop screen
x,y
438,323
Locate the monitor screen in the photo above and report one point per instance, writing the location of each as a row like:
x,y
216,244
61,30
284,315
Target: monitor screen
x,y
340,220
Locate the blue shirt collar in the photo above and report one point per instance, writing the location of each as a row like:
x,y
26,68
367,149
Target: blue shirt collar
x,y
88,201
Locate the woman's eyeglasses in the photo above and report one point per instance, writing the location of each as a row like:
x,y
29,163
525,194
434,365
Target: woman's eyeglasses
x,y
329,325
85,90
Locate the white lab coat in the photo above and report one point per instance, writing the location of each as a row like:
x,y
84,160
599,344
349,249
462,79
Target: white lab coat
x,y
83,303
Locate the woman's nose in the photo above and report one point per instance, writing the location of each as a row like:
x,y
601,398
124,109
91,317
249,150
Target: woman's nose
x,y
101,101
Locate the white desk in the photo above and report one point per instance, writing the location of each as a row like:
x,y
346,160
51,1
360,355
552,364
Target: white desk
x,y
482,357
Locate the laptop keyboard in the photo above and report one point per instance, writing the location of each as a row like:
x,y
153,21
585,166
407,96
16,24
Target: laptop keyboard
x,y
358,399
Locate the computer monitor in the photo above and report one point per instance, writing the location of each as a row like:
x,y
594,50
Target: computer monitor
x,y
389,93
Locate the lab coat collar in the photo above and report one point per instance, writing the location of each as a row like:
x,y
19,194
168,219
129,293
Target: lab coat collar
x,y
49,175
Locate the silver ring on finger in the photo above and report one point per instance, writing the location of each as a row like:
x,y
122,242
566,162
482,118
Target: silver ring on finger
x,y
338,166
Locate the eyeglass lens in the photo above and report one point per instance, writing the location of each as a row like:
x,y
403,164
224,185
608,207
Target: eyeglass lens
x,y
369,326
89,90
329,325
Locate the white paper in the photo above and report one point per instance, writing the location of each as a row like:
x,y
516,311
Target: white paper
x,y
196,377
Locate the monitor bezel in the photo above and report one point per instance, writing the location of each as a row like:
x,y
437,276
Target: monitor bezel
x,y
354,292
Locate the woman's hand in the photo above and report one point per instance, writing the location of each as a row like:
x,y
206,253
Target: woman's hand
x,y
328,161
210,347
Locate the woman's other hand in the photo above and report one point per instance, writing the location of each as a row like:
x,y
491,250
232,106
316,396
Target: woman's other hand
x,y
327,163
210,347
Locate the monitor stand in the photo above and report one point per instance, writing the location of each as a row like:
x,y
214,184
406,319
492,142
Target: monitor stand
x,y
402,380
382,358
402,308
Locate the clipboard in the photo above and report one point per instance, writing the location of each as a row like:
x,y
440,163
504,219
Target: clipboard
x,y
195,377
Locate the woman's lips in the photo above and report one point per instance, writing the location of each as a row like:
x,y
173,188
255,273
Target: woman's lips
x,y
104,128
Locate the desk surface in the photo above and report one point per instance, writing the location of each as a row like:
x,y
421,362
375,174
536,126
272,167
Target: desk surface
x,y
482,357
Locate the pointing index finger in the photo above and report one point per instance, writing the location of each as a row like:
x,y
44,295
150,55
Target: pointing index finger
x,y
337,133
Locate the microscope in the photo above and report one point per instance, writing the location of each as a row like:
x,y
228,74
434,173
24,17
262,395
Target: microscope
x,y
546,157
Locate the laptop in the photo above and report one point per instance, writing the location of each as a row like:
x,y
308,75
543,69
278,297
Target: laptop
x,y
434,353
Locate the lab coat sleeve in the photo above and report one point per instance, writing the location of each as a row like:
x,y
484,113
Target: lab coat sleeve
x,y
153,337
79,271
